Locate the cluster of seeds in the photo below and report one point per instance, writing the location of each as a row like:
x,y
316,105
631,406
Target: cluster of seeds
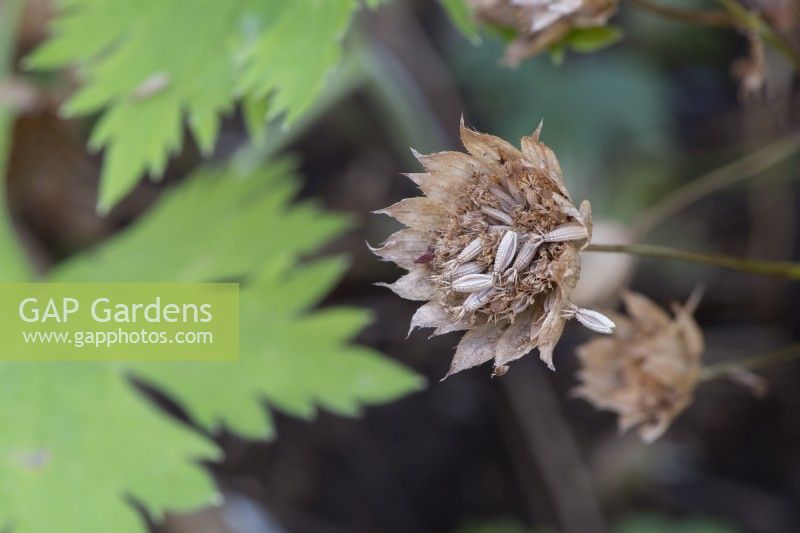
x,y
506,227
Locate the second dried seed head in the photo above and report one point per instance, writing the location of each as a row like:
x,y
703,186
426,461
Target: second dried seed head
x,y
540,24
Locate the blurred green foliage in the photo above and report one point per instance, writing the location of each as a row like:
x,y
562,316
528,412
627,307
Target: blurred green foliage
x,y
461,16
12,264
79,439
81,444
148,65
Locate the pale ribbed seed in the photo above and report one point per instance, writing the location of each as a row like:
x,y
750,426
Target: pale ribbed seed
x,y
568,207
503,228
507,206
470,251
499,215
566,233
506,200
531,198
473,282
505,251
515,192
476,300
526,253
594,320
520,306
466,269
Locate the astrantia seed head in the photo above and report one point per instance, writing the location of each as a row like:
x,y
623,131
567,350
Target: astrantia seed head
x,y
500,237
540,23
648,370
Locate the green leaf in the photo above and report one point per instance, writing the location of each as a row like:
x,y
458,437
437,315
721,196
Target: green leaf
x,y
217,226
461,15
290,58
588,40
558,52
226,219
150,65
78,441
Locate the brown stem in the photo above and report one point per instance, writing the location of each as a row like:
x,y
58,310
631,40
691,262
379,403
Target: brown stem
x,y
779,269
537,425
754,362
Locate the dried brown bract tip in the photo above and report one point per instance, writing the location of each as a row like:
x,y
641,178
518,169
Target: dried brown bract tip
x,y
751,71
540,23
493,249
648,370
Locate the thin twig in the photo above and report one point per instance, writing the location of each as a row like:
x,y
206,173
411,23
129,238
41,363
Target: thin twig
x,y
735,172
735,16
754,362
700,17
779,269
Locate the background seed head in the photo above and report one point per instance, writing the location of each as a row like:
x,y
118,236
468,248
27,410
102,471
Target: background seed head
x,y
648,370
540,23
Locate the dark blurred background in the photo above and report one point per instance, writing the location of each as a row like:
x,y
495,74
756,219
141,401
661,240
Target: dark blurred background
x,y
518,453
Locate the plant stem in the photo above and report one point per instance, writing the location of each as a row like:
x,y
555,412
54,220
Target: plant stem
x,y
701,17
751,21
779,269
735,172
752,363
734,16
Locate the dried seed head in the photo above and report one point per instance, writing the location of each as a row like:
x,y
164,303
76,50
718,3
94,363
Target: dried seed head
x,y
647,371
540,23
500,238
